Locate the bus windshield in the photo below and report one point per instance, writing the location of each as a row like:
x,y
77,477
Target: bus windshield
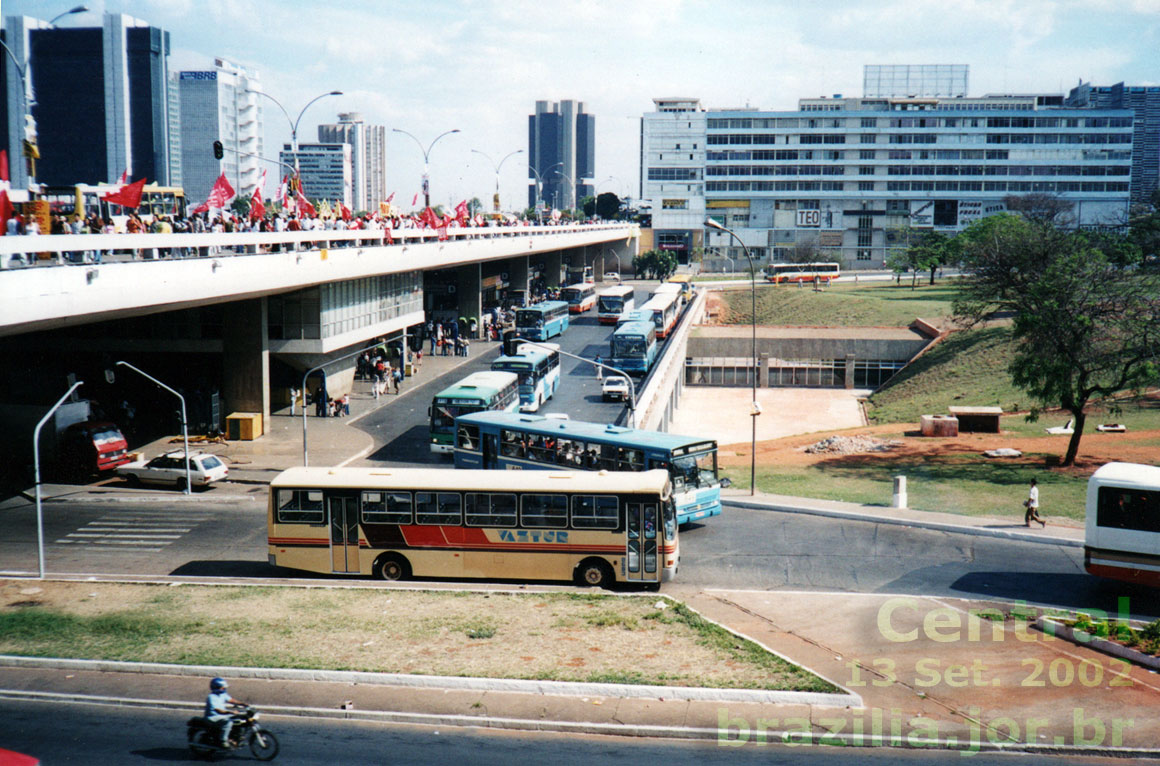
x,y
443,415
699,470
529,319
608,304
628,346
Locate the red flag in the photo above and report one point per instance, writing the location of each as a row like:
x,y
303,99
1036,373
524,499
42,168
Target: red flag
x,y
391,197
127,196
461,212
257,209
429,219
345,211
415,199
3,168
221,194
6,211
202,208
304,206
124,177
283,192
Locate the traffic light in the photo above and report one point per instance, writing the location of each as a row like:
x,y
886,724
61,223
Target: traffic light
x,y
218,151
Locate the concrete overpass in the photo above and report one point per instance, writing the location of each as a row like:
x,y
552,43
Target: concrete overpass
x,y
300,298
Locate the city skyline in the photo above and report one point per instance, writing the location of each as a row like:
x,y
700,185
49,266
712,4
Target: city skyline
x,y
477,67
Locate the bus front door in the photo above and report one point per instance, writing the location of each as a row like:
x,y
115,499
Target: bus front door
x,y
490,450
343,535
641,543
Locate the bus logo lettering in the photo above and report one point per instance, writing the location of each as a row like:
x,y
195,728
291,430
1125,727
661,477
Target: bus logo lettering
x,y
532,536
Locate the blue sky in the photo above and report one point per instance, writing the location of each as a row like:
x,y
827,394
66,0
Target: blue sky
x,y
427,67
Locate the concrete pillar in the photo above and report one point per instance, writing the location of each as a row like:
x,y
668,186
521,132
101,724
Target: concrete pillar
x,y
246,358
517,269
849,370
468,295
553,269
763,370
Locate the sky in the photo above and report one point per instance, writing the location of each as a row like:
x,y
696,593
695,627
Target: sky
x,y
480,65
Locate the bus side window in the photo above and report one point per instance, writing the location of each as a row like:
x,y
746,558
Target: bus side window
x,y
511,443
468,437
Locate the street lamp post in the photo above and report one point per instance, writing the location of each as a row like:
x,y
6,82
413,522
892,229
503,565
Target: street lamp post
x,y
540,180
755,408
571,185
294,123
426,156
36,473
495,200
184,426
28,92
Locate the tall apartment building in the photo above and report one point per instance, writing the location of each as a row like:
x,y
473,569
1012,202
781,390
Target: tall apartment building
x,y
850,175
325,170
1144,101
218,105
101,100
368,156
561,153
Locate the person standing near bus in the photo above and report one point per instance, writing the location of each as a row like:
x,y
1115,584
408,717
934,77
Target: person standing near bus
x,y
1032,506
599,369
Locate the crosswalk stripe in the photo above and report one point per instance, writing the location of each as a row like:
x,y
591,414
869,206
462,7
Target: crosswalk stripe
x,y
142,530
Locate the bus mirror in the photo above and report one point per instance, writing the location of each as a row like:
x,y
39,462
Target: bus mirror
x,y
726,483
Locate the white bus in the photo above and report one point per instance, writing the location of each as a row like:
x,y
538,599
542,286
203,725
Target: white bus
x,y
612,302
1122,534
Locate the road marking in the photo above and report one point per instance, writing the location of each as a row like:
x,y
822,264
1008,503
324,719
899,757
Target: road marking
x,y
140,530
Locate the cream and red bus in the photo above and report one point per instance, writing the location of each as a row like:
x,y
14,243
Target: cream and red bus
x,y
394,523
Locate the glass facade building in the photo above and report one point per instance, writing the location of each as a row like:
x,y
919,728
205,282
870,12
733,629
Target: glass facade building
x,y
562,151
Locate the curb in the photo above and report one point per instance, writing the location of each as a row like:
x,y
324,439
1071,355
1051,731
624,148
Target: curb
x,y
448,683
1053,627
961,529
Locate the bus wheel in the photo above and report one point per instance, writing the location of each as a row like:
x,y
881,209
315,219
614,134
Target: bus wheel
x,y
392,567
594,573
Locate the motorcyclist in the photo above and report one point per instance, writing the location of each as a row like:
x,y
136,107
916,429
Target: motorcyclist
x,y
217,706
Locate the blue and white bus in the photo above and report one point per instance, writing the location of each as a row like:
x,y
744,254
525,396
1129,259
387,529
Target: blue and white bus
x,y
612,302
538,370
634,347
636,315
503,440
543,320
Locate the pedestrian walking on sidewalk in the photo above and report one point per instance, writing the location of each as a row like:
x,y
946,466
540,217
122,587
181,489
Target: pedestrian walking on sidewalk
x,y
396,379
1032,506
599,369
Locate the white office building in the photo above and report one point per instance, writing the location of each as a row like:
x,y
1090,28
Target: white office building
x,y
368,144
217,105
850,175
325,170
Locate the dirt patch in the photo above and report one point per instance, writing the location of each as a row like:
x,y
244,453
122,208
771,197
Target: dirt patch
x,y
1096,449
554,636
851,445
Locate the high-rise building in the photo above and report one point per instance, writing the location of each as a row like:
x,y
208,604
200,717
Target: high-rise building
x,y
367,156
325,170
219,105
1144,101
101,103
849,177
561,153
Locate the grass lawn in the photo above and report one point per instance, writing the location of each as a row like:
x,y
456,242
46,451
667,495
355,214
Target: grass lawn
x,y
871,304
549,636
953,484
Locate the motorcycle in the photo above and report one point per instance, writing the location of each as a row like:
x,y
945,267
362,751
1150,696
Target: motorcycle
x,y
205,736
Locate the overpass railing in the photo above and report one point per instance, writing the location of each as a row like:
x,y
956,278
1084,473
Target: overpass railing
x,y
73,249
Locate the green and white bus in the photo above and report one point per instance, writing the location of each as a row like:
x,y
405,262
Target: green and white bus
x,y
478,392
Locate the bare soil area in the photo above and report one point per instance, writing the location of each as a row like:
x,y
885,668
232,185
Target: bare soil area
x,y
556,636
1095,449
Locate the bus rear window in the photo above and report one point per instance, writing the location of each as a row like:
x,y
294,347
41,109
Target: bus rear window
x,y
1121,508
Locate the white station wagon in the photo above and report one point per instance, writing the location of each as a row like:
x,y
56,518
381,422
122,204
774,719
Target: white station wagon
x,y
204,469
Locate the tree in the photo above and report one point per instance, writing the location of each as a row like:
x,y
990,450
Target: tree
x,y
1086,317
474,207
927,252
659,264
607,206
1040,206
588,205
1144,227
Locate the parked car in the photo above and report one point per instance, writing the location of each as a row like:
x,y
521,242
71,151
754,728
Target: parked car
x,y
204,469
615,389
612,276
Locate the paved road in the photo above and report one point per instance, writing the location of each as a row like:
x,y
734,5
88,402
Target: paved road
x,y
107,736
741,549
400,431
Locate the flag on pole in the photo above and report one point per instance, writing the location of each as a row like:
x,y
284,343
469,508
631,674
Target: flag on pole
x,y
304,206
221,194
4,169
257,209
461,213
415,199
6,211
127,196
284,193
390,197
344,211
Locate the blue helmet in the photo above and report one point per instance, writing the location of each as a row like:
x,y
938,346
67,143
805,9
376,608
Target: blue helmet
x,y
218,685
